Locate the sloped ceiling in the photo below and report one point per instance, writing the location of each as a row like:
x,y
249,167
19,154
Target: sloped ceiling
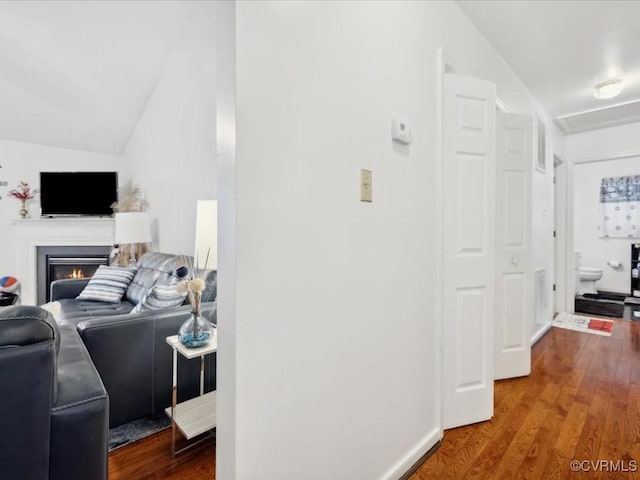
x,y
560,49
77,74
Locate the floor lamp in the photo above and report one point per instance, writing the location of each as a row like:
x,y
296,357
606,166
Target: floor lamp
x,y
206,235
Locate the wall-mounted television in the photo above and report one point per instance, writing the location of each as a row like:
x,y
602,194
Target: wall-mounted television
x,y
78,193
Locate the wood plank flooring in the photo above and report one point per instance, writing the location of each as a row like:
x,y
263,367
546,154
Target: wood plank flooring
x,y
150,459
581,401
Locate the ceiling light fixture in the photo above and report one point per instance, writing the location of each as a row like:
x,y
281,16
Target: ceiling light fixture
x,y
608,89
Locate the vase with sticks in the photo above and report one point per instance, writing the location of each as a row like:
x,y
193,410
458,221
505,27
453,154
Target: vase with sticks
x,y
196,330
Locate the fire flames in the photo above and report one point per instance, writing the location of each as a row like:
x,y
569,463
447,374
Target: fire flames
x,y
77,273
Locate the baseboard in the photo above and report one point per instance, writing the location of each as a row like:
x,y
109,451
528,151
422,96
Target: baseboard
x,y
540,333
412,460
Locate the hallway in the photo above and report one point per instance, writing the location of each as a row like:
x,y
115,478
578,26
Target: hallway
x,y
581,402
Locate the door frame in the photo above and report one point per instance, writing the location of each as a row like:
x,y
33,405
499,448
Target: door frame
x,y
568,187
563,279
444,64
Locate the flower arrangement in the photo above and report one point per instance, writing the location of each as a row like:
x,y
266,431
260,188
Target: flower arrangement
x,y
196,331
23,192
192,286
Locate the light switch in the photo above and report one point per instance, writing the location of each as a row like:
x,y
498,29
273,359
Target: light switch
x,y
365,186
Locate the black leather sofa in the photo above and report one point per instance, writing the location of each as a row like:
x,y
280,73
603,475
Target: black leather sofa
x,y
129,350
53,405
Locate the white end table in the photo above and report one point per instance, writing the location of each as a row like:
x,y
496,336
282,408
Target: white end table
x,y
198,415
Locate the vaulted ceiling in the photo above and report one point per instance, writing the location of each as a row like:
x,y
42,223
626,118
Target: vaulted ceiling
x,y
560,49
77,74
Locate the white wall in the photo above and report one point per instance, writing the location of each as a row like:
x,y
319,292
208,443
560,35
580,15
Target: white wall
x,y
24,162
597,251
331,349
173,148
590,153
603,143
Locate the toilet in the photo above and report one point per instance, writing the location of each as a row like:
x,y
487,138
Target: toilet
x,y
588,279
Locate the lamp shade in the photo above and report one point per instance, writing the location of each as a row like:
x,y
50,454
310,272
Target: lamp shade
x,y
132,227
207,234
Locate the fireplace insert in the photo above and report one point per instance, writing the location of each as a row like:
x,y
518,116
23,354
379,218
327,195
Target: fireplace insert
x,y
60,262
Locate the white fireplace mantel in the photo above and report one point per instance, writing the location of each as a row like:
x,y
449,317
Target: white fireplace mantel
x,y
63,231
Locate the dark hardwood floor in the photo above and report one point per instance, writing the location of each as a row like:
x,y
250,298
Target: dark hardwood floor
x,y
150,459
581,401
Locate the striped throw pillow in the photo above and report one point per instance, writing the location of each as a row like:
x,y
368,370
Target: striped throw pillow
x,y
162,296
108,284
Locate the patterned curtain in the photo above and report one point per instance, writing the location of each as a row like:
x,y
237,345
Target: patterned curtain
x,y
620,207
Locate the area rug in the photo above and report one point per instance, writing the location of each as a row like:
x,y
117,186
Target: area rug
x,y
597,326
138,429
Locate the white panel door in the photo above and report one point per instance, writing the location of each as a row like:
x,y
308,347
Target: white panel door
x,y
514,274
469,249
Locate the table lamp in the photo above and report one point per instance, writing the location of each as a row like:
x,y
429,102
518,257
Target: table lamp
x,y
132,228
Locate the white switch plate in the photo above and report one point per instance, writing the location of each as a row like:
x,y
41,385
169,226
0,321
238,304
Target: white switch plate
x,y
365,186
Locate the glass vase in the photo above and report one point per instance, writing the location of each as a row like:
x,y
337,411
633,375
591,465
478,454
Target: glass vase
x,y
196,331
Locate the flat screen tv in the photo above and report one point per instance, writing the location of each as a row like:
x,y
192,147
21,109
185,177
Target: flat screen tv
x,y
78,193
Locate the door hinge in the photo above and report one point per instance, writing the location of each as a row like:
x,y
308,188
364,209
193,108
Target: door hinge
x,y
554,287
554,234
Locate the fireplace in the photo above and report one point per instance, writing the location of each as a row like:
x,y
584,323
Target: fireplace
x,y
60,262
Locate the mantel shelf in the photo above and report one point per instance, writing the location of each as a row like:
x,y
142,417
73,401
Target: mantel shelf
x,y
50,221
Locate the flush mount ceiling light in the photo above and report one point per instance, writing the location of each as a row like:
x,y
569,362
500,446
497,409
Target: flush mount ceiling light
x,y
608,89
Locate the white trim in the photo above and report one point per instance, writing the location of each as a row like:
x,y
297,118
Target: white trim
x,y
415,454
561,225
541,331
569,259
502,107
441,68
595,110
33,233
557,161
569,186
607,157
227,194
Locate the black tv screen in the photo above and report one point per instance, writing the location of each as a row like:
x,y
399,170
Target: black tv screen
x,y
78,193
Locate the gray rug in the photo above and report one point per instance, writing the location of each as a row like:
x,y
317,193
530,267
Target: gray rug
x,y
136,430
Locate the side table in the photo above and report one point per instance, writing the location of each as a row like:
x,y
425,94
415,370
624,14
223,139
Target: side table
x,y
198,415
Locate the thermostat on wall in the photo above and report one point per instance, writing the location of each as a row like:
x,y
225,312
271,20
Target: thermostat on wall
x,y
401,131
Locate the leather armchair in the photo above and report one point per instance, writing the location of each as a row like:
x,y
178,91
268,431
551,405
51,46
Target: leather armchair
x,y
53,406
